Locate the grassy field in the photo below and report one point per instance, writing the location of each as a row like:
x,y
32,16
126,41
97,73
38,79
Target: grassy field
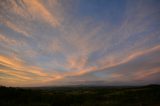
x,y
81,96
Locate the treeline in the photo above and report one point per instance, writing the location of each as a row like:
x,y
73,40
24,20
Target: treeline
x,y
81,96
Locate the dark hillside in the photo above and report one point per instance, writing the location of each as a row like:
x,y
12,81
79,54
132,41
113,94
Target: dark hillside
x,y
81,96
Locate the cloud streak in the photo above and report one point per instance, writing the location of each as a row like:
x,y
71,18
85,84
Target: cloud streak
x,y
50,42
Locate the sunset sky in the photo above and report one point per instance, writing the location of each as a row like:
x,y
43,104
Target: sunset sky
x,y
79,42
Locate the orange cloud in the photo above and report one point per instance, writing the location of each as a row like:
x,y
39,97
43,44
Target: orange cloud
x,y
37,71
10,62
112,62
142,74
84,71
140,53
10,41
3,38
12,81
76,63
15,28
17,74
18,69
35,7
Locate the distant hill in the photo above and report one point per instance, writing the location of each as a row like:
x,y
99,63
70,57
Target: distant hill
x,y
81,96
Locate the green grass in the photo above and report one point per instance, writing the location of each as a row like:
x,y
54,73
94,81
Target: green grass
x,y
81,96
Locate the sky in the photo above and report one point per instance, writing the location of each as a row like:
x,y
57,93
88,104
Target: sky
x,y
79,42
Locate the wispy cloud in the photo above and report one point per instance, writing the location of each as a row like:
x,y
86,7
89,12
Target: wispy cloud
x,y
57,42
37,10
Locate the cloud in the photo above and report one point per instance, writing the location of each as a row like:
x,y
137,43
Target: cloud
x,y
6,61
17,68
37,10
128,58
3,38
52,42
144,74
16,74
24,17
110,63
15,28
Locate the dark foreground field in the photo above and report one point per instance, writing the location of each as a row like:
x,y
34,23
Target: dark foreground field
x,y
81,96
